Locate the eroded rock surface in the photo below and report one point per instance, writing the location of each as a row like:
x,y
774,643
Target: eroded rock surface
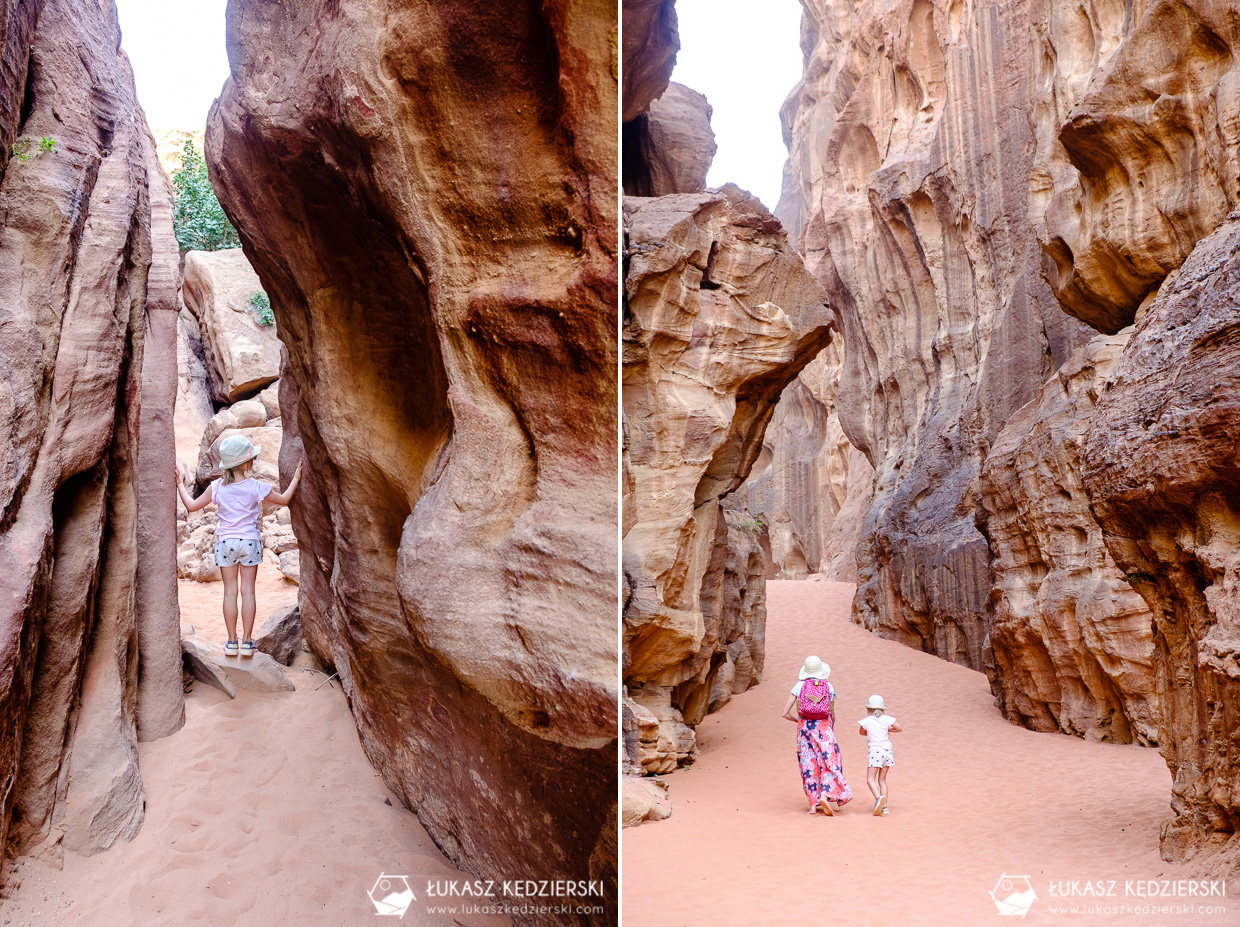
x,y
809,484
1159,463
720,316
910,164
1071,640
651,40
242,355
82,251
443,275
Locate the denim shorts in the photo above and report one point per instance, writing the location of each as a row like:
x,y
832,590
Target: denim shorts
x,y
243,551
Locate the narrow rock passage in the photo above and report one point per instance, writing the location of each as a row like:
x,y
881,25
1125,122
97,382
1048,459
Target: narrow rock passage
x,y
262,810
972,797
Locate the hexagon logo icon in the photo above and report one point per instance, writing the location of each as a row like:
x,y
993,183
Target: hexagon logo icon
x,y
1013,895
391,895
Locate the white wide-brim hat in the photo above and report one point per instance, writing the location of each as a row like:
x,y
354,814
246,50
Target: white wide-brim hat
x,y
876,701
815,668
236,450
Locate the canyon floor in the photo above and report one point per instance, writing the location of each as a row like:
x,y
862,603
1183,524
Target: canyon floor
x,y
262,810
973,797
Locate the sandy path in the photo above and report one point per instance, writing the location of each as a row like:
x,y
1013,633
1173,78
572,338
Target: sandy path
x,y
972,795
262,810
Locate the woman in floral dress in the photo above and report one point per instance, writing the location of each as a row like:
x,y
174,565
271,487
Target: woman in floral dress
x,y
812,706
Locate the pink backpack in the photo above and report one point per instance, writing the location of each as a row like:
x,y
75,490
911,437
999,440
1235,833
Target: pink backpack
x,y
815,704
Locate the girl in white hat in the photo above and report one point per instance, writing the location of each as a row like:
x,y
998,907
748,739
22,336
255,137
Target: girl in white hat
x,y
877,725
239,500
812,706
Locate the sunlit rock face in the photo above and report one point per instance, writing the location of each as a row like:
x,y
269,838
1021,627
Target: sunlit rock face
x,y
434,220
911,153
674,144
241,354
1071,642
720,316
89,652
1159,462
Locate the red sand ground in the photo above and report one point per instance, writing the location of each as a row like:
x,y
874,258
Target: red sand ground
x,y
972,797
262,810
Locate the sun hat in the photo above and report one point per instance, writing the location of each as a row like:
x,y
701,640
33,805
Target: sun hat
x,y
815,668
876,701
236,450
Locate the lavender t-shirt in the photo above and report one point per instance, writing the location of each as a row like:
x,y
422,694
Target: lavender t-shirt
x,y
239,508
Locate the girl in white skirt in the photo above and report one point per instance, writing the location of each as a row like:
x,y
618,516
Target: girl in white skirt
x,y
877,725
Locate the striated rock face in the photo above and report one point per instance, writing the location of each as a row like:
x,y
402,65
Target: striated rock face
x,y
443,275
86,597
675,144
911,153
1160,465
1071,640
810,485
720,316
241,355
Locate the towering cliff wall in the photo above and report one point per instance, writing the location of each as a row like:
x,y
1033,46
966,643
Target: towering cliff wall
x,y
428,194
89,652
966,178
911,152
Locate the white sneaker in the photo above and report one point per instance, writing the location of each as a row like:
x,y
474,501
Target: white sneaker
x,y
231,649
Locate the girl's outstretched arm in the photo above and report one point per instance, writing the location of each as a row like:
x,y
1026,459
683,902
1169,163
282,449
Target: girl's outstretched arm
x,y
191,504
283,498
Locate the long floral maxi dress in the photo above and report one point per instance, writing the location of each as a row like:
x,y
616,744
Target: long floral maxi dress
x,y
818,753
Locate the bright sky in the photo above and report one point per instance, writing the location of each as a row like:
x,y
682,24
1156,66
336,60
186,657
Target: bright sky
x,y
746,57
178,56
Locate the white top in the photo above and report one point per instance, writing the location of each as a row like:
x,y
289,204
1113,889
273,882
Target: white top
x,y
876,729
240,506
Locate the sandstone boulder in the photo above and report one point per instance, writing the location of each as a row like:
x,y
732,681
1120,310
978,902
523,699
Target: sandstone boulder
x,y
720,316
280,636
444,278
259,673
82,248
644,799
1071,641
198,657
675,144
1159,462
242,356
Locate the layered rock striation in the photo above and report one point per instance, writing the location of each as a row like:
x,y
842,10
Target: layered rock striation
x,y
89,659
720,316
1160,465
1070,640
809,485
911,152
434,221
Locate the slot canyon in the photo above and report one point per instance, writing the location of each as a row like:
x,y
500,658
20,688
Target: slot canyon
x,y
1016,221
432,220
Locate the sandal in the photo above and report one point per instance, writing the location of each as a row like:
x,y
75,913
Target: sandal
x,y
248,648
230,648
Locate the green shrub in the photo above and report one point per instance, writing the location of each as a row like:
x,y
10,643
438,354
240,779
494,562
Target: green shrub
x,y
21,147
262,308
197,216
